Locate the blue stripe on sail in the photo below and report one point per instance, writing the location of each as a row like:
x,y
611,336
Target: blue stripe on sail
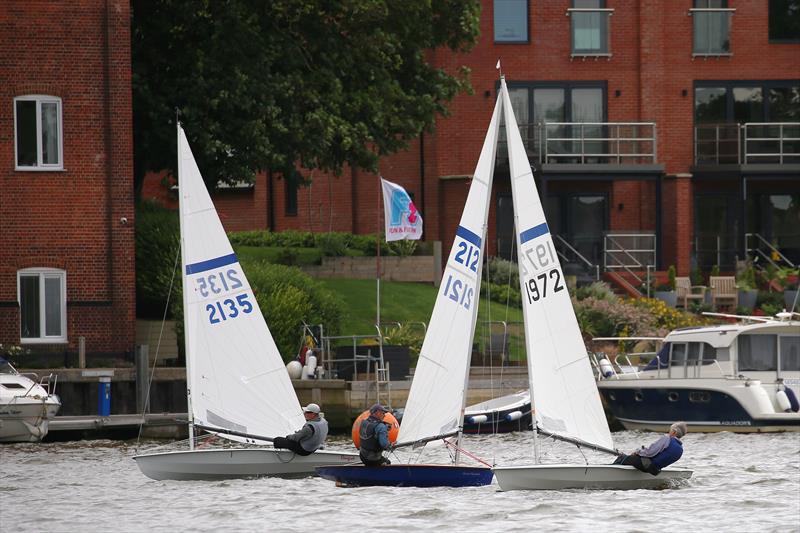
x,y
211,264
536,231
467,235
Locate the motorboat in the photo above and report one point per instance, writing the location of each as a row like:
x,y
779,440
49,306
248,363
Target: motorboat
x,y
27,404
742,376
499,415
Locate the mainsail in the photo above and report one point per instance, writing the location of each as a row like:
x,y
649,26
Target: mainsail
x,y
435,403
236,378
565,396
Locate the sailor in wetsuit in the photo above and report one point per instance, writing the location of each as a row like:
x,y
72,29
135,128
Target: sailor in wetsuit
x,y
310,437
660,454
374,436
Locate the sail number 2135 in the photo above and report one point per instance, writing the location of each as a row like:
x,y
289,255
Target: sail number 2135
x,y
536,287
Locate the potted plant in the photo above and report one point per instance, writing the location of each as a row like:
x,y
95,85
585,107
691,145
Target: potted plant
x,y
714,272
666,291
788,279
748,290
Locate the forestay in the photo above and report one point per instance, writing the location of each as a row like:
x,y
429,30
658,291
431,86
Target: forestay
x,y
236,377
565,398
436,400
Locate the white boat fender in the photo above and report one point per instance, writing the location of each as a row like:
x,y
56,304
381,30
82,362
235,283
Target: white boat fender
x,y
760,397
295,369
783,401
606,368
478,419
514,415
311,366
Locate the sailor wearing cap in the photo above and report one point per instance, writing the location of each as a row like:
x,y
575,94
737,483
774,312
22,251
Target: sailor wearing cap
x,y
310,437
374,435
660,454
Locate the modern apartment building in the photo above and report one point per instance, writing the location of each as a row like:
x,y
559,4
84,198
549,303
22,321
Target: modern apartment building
x,y
661,132
66,178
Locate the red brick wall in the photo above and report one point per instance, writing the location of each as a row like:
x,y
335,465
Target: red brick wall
x,y
651,66
71,219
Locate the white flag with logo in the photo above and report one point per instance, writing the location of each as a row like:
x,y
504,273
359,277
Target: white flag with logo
x,y
403,221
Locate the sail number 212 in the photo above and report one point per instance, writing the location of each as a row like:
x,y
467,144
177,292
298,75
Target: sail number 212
x,y
536,287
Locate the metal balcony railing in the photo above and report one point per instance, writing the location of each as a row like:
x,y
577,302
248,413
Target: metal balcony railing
x,y
588,142
753,142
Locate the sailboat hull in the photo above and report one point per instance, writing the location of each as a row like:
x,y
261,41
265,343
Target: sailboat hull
x,y
236,463
405,475
560,477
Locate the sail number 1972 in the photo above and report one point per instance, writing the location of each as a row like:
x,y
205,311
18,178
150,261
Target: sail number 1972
x,y
536,287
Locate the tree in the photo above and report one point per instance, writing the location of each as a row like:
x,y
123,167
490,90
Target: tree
x,y
270,85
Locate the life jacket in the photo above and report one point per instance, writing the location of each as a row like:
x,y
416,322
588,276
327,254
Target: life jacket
x,y
370,447
668,455
317,439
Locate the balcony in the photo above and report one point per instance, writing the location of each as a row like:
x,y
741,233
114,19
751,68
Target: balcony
x,y
752,144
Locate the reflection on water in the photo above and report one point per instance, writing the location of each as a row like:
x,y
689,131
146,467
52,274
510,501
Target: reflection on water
x,y
741,483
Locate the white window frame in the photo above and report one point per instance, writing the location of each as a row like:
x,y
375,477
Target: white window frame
x,y
40,165
44,273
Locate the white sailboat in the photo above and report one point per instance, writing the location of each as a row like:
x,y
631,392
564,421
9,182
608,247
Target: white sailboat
x,y
237,384
435,406
565,399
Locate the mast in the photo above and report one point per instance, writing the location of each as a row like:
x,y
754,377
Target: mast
x,y
185,291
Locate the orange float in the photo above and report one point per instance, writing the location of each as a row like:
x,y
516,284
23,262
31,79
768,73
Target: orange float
x,y
389,419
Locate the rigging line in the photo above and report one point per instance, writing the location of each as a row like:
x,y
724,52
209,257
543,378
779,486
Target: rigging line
x,y
449,444
146,405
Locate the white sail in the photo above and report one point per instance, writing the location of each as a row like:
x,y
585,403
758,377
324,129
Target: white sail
x,y
436,400
565,396
235,375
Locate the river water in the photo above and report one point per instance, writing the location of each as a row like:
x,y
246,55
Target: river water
x,y
741,483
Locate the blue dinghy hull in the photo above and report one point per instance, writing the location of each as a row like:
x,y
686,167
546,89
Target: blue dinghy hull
x,y
402,475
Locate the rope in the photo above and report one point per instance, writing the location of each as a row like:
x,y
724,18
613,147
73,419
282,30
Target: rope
x,y
146,405
449,444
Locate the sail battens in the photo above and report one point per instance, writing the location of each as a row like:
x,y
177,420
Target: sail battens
x,y
211,264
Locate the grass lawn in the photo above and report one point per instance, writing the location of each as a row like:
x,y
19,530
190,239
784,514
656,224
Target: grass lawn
x,y
412,302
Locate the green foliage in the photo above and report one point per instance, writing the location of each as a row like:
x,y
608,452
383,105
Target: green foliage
x,y
671,277
157,248
502,272
599,290
269,85
788,277
502,294
696,276
333,244
403,248
715,270
746,280
286,256
406,335
770,302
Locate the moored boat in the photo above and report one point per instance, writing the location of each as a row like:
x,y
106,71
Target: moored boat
x,y
741,377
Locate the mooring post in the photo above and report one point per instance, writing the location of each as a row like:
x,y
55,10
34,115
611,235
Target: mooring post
x,y
142,357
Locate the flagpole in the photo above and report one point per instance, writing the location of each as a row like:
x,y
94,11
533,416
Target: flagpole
x,y
378,258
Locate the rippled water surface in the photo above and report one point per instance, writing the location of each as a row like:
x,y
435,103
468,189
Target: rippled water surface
x,y
741,483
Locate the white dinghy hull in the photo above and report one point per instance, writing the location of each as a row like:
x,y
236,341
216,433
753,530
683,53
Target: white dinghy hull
x,y
567,476
237,463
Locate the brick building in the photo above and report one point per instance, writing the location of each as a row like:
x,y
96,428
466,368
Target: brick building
x,y
644,124
66,177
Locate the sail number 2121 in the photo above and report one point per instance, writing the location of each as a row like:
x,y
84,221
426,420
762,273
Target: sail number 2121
x,y
536,287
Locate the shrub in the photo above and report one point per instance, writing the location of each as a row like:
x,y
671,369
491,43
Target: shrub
x,y
502,272
157,234
406,335
403,248
286,256
598,290
502,294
